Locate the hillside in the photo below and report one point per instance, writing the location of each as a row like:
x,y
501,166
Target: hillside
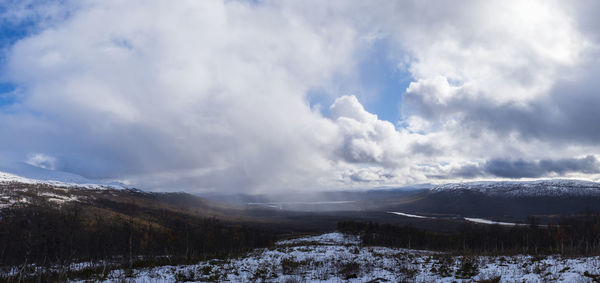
x,y
502,200
337,257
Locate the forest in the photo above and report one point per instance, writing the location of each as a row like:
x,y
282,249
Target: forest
x,y
571,236
109,230
47,235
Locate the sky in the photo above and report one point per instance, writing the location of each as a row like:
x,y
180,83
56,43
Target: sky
x,y
259,96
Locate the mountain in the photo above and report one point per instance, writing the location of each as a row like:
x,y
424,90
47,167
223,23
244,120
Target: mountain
x,y
19,172
502,200
23,185
540,188
40,189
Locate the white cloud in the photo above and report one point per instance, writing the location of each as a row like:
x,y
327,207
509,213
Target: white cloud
x,y
212,95
366,138
503,51
188,88
42,160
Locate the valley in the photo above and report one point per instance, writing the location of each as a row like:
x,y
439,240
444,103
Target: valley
x,y
168,236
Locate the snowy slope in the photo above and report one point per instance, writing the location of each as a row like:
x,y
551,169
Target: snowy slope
x,y
540,188
22,184
336,257
28,174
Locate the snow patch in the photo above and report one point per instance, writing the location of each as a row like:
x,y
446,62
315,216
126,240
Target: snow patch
x,y
330,258
412,215
486,221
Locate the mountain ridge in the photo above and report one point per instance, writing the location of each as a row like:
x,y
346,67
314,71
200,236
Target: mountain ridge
x,y
20,172
541,188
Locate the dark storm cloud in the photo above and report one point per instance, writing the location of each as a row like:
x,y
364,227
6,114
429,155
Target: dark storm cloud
x,y
426,149
534,169
519,168
567,114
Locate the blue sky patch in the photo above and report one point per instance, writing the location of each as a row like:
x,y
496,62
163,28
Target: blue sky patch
x,y
380,88
379,74
7,96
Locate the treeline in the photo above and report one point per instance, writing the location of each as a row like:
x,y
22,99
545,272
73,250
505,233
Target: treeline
x,y
571,236
45,235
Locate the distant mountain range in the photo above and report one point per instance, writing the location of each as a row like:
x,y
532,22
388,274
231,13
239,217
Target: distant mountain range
x,y
540,188
20,172
23,184
503,200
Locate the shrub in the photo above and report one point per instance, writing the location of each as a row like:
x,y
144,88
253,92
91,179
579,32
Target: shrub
x,y
408,272
349,270
595,277
468,268
289,265
260,274
444,271
206,270
185,276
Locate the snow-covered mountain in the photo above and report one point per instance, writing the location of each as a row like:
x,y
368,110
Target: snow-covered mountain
x,y
507,201
28,174
22,184
539,188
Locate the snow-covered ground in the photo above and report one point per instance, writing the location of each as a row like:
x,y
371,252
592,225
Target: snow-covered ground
x,y
336,257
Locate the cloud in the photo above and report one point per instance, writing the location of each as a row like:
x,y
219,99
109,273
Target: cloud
x,y
213,95
520,168
371,176
42,161
208,92
366,138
